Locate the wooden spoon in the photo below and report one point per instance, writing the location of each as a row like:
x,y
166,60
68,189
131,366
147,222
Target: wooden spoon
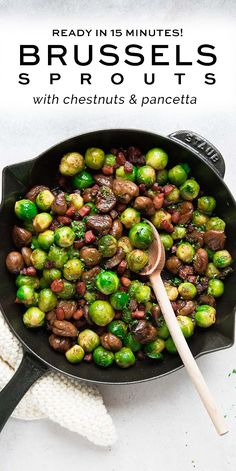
x,y
153,269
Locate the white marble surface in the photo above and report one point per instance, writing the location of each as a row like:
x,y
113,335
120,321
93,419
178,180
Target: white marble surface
x,y
161,424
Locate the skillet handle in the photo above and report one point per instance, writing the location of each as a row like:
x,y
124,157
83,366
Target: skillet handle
x,y
205,150
29,371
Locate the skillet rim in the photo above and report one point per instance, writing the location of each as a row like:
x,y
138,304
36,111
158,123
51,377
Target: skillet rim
x,y
172,140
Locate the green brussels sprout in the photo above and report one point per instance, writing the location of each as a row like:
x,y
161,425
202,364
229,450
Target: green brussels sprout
x,y
118,328
146,175
107,245
216,224
76,200
129,217
179,232
33,318
130,342
186,324
71,163
68,291
162,176
172,291
173,196
73,269
44,200
215,288
222,259
110,160
170,346
142,294
157,158
187,290
38,259
58,256
154,349
167,240
119,300
189,190
25,209
90,297
32,281
212,271
47,300
185,252
162,330
206,204
51,274
160,216
107,282
101,312
88,340
125,244
177,175
141,235
75,354
120,173
26,295
199,219
124,358
82,180
46,239
42,221
64,236
103,357
137,260
94,158
133,287
205,315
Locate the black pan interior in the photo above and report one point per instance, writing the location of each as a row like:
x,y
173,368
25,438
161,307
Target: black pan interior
x,y
20,177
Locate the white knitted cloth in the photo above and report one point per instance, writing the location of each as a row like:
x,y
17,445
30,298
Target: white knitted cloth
x,y
68,402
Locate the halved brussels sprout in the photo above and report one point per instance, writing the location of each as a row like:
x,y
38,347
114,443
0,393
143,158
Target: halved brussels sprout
x,y
129,217
64,236
137,260
44,200
25,209
205,315
157,158
94,158
42,221
107,245
141,235
71,163
124,358
88,340
33,318
101,312
107,282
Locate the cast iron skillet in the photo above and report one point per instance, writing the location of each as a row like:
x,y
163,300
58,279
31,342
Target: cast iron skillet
x,y
207,166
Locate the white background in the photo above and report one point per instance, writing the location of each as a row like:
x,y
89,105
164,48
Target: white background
x,y
160,424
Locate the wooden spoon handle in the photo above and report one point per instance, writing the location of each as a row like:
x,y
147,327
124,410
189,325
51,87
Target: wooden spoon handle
x,y
186,355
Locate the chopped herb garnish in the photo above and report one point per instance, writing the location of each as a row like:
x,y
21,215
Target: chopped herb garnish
x,y
127,316
79,229
175,281
90,286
